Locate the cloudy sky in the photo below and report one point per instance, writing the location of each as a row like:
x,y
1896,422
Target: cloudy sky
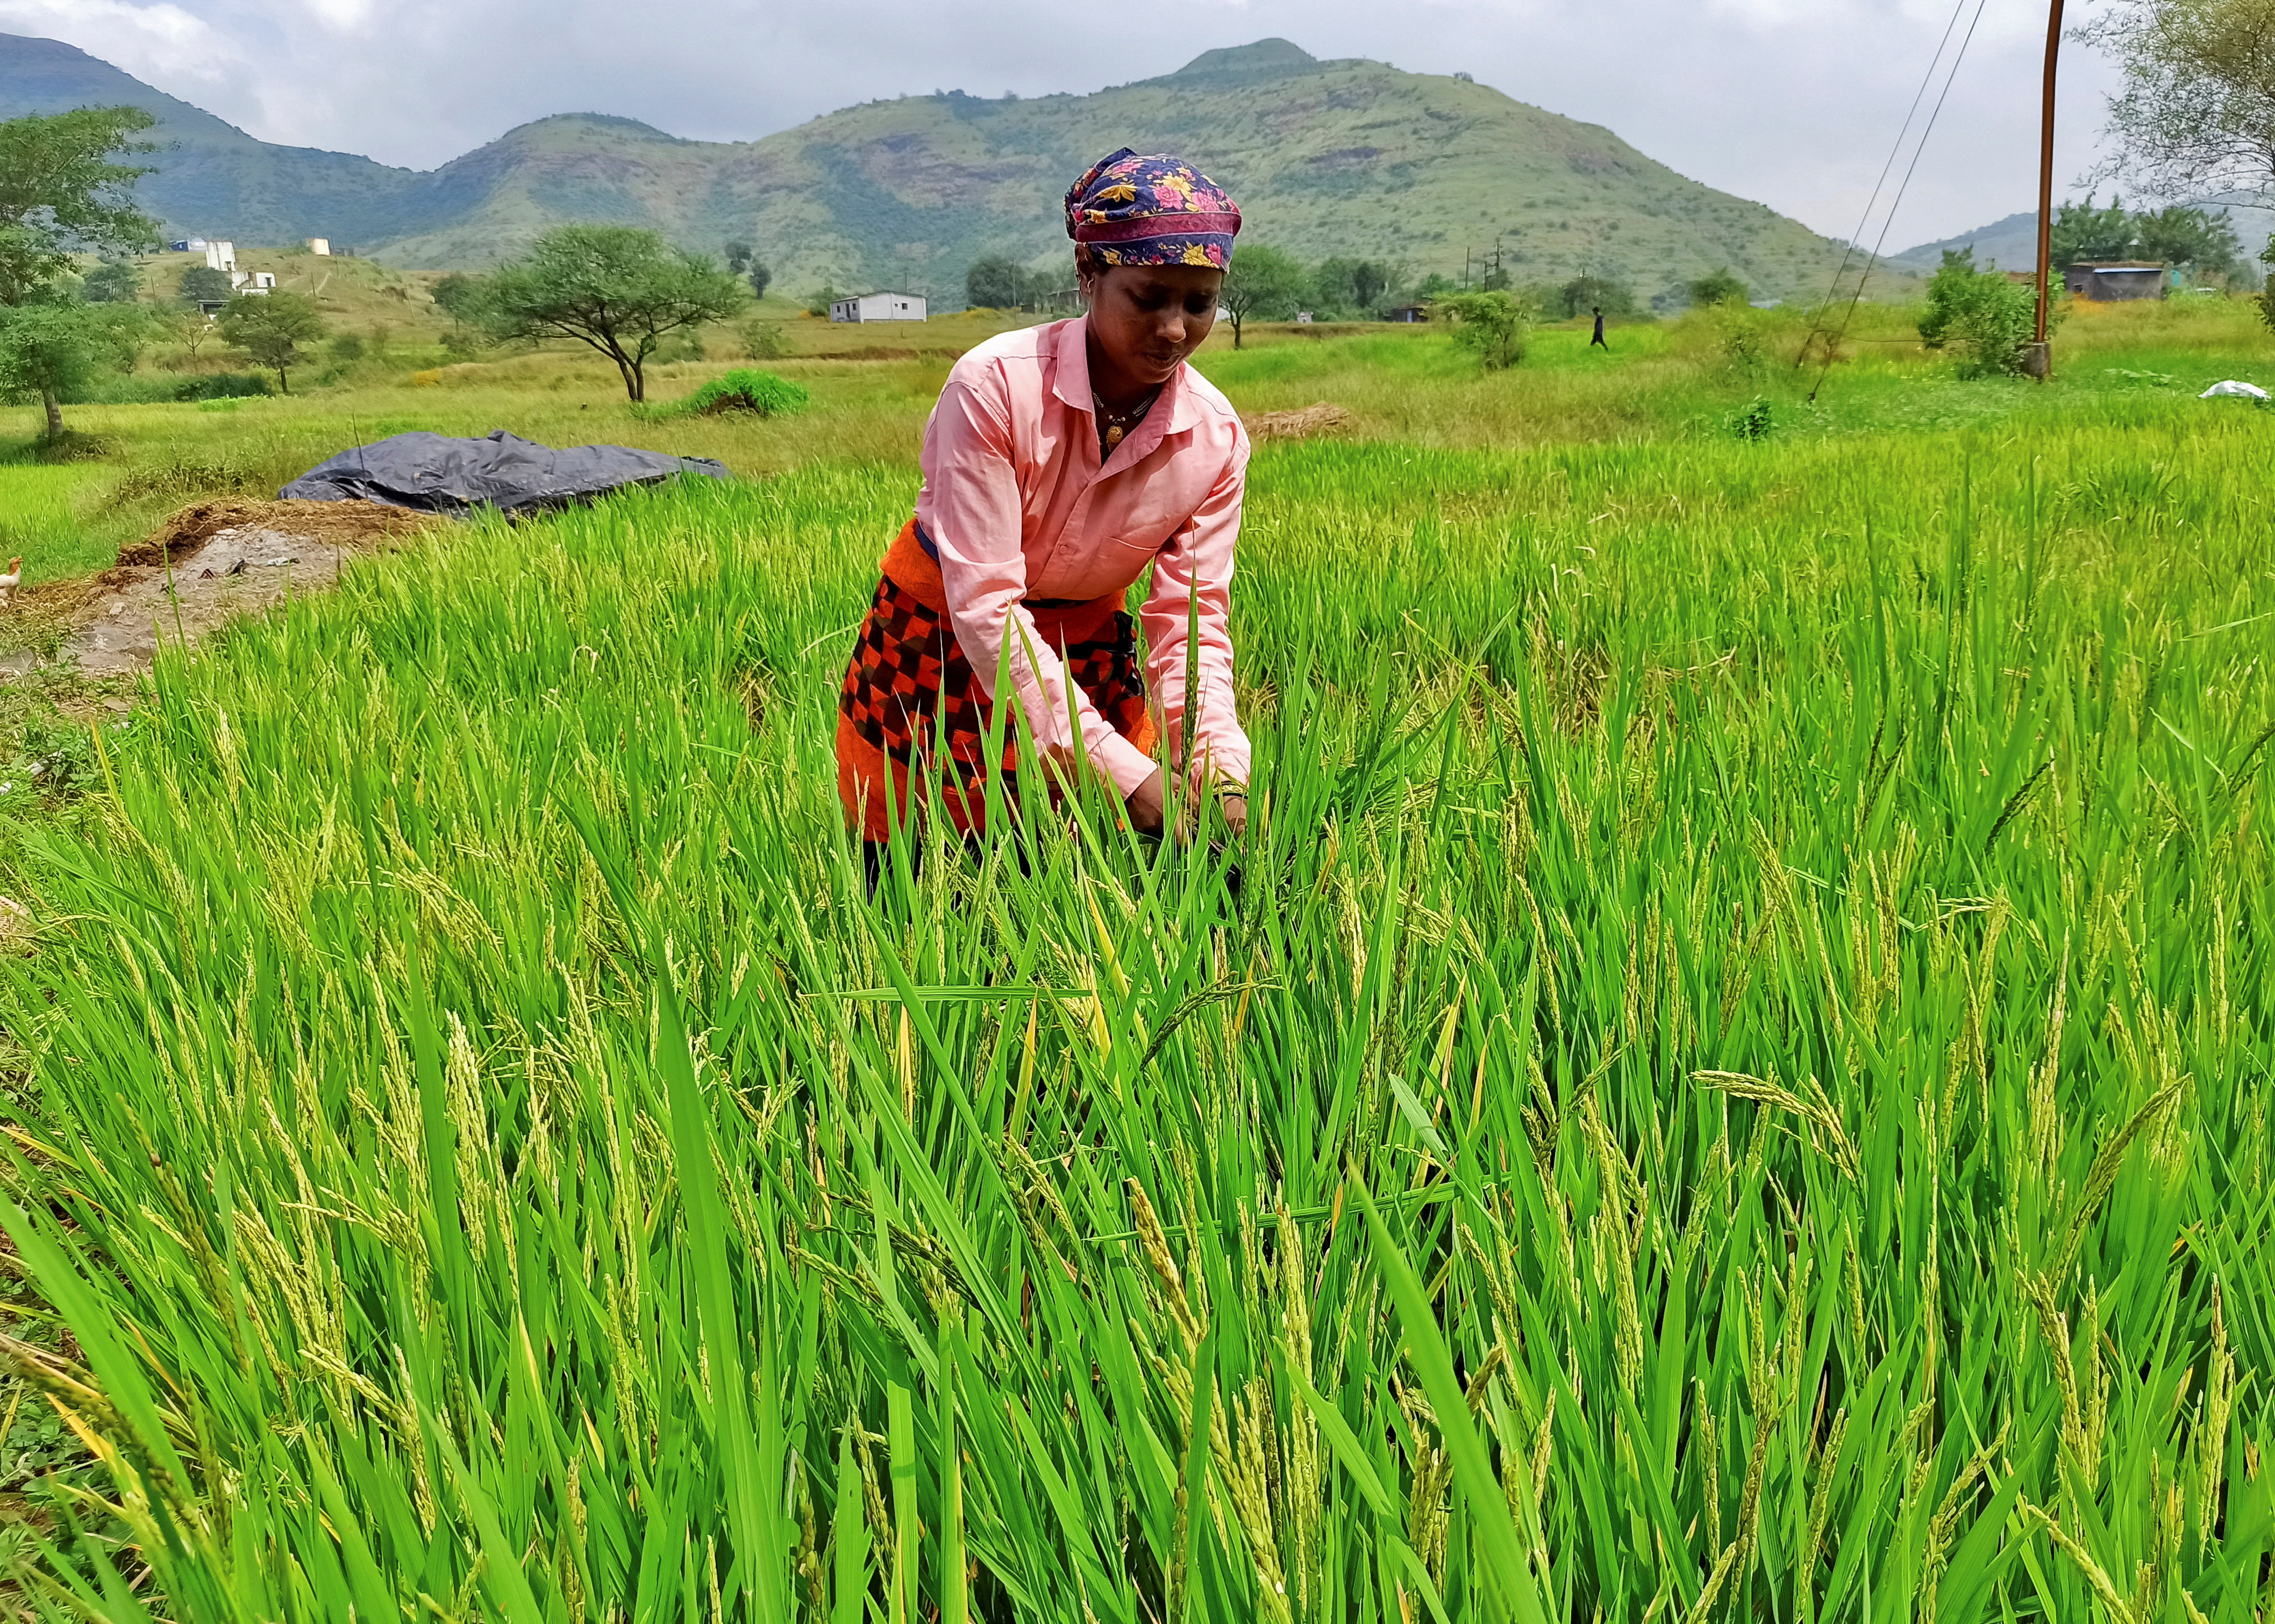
x,y
1794,103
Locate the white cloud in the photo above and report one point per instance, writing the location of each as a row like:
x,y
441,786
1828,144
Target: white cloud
x,y
161,39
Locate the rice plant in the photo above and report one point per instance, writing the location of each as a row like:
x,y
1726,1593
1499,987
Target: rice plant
x,y
1731,1077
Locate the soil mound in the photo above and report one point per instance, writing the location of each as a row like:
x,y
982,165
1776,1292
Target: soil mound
x,y
339,523
1324,418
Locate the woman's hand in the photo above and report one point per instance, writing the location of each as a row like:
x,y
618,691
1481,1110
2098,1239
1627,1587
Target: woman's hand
x,y
1147,810
1236,814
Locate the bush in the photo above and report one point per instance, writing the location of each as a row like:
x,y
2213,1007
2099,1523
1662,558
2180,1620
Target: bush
x,y
1717,288
223,385
1988,318
1492,323
745,390
763,341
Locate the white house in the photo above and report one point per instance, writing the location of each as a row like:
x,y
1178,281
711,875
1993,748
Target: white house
x,y
220,256
887,307
254,282
320,246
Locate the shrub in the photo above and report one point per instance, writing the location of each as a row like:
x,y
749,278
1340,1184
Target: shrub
x,y
223,385
1719,287
1988,318
763,341
1492,323
745,390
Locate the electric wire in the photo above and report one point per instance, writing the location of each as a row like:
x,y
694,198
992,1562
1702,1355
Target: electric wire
x,y
1896,151
1911,168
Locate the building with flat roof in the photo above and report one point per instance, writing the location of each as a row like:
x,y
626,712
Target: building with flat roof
x,y
2105,281
882,306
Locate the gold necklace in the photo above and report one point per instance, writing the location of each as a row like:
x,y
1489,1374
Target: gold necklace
x,y
1118,424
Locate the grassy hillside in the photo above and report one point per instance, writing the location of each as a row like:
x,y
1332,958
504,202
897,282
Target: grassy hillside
x,y
1326,157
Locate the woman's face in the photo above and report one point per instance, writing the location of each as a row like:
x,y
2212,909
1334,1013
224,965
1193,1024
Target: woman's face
x,y
1147,319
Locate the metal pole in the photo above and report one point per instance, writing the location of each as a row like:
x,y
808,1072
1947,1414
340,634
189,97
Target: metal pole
x,y
2041,359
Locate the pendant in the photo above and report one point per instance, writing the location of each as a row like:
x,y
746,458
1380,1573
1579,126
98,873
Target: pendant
x,y
1113,436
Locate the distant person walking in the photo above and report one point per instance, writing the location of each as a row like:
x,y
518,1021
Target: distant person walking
x,y
1597,341
1059,462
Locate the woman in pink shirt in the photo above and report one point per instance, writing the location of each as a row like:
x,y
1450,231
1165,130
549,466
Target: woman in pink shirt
x,y
1059,462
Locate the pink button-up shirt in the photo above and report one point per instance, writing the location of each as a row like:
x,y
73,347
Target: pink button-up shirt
x,y
1018,506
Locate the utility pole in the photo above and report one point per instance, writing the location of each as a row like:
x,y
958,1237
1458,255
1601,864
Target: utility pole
x,y
2038,361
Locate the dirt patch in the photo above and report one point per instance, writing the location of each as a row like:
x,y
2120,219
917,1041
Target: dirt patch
x,y
347,523
210,564
1321,418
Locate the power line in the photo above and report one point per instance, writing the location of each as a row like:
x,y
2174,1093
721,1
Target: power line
x,y
1833,348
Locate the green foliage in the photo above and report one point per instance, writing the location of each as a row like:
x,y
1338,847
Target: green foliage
x,y
1587,293
60,190
270,329
203,285
1754,421
746,389
737,256
757,277
1743,1047
617,288
1265,283
459,295
1492,323
2191,239
51,351
1349,286
347,349
994,282
2082,233
819,302
764,341
113,282
1717,288
1987,318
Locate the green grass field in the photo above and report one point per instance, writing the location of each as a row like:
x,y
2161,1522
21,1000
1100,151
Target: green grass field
x,y
1732,1079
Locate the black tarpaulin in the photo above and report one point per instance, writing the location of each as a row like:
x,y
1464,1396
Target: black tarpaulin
x,y
442,475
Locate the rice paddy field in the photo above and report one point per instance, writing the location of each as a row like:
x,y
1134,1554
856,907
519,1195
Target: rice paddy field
x,y
1730,1077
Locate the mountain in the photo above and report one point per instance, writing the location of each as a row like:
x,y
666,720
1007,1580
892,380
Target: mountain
x,y
1348,157
2010,244
212,177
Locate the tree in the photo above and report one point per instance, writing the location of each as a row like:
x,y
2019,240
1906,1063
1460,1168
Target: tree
x,y
1263,283
113,282
1585,293
270,327
458,296
1984,313
1493,322
616,288
759,276
2196,240
2083,234
1357,287
2196,113
46,350
202,284
737,256
60,190
1717,287
993,281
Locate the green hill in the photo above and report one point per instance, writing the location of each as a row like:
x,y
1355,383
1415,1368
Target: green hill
x,y
1348,157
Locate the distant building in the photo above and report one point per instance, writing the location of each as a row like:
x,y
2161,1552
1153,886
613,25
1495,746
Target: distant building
x,y
188,244
220,256
320,245
1305,316
1408,312
2106,281
254,282
884,307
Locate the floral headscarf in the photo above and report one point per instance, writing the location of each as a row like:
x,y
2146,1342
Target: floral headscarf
x,y
1157,210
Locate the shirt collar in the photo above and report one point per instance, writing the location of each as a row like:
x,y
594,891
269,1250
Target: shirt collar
x,y
1071,382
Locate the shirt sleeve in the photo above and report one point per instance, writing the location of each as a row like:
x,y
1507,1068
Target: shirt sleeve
x,y
1192,590
973,484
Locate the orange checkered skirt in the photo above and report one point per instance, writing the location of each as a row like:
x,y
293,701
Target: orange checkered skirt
x,y
912,712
